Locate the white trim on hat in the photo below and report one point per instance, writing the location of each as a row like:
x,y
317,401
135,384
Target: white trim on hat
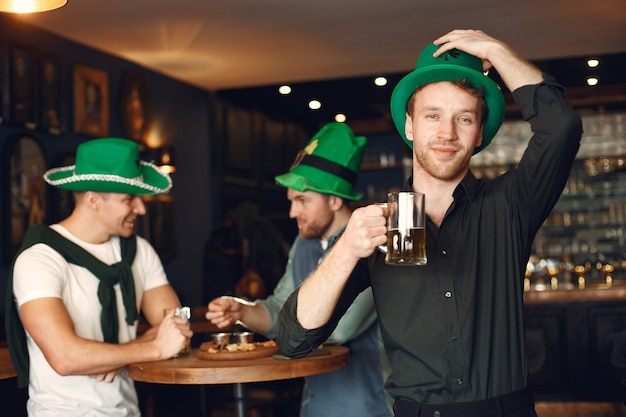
x,y
134,182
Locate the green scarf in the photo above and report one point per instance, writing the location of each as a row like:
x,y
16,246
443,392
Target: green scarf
x,y
109,275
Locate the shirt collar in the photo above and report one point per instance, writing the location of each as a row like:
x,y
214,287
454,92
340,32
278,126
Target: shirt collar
x,y
468,186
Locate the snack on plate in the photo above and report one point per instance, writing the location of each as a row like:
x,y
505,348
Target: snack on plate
x,y
236,347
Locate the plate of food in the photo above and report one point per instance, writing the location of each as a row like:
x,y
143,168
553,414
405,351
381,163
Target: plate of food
x,y
236,351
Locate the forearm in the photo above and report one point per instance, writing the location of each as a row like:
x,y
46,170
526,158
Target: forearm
x,y
515,71
358,318
320,293
88,357
255,318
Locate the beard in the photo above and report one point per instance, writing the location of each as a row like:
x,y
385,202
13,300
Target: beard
x,y
314,230
442,170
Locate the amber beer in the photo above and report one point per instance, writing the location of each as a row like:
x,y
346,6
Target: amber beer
x,y
406,249
406,232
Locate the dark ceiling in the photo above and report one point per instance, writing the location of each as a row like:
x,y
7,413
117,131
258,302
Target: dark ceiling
x,y
367,106
242,49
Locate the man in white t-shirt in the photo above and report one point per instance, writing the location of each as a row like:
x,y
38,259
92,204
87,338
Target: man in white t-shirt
x,y
79,286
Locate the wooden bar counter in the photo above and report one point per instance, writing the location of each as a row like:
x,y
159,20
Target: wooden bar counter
x,y
592,292
576,342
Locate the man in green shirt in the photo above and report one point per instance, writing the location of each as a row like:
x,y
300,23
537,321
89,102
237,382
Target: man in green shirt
x,y
320,185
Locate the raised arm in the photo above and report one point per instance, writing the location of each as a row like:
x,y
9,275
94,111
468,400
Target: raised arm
x,y
320,293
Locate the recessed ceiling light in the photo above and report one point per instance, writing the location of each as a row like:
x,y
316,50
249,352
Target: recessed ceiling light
x,y
592,81
593,62
284,89
314,105
340,118
380,81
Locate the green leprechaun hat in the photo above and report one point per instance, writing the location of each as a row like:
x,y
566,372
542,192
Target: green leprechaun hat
x,y
329,163
110,165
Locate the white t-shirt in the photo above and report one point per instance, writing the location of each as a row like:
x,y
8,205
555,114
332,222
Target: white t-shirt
x,y
42,272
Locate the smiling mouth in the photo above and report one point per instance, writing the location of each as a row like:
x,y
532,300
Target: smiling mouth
x,y
446,151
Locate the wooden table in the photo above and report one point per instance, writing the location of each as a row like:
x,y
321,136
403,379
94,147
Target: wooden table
x,y
6,367
193,371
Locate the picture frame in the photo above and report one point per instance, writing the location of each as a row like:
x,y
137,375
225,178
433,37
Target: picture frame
x,y
91,101
52,113
135,106
25,190
22,86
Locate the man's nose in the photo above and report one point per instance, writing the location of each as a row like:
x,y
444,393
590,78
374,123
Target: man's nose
x,y
447,129
138,205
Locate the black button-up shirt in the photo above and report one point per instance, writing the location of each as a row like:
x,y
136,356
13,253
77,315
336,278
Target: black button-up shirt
x,y
453,329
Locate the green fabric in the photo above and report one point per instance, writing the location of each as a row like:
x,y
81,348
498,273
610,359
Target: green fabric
x,y
328,164
110,165
109,275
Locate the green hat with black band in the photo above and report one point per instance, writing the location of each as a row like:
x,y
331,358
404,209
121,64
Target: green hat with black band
x,y
450,66
328,164
110,165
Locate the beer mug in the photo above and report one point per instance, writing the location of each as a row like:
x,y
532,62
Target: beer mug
x,y
406,229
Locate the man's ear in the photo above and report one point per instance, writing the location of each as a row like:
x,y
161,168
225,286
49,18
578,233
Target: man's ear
x,y
335,202
408,128
479,140
92,199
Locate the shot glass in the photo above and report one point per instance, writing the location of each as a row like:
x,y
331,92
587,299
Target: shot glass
x,y
183,313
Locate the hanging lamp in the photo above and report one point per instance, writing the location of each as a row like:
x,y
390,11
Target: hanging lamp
x,y
30,6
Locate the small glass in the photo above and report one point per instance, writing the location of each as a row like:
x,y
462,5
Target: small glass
x,y
183,313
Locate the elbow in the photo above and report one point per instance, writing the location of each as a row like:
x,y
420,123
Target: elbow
x,y
63,366
292,351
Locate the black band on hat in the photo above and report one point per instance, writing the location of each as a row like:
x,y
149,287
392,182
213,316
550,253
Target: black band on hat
x,y
330,167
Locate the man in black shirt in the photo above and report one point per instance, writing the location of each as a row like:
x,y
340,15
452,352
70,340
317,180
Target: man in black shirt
x,y
453,329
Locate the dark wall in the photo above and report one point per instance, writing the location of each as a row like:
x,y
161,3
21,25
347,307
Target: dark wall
x,y
181,114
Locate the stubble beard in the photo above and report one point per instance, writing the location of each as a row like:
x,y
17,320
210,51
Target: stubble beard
x,y
447,171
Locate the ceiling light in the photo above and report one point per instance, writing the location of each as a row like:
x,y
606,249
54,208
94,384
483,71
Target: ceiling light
x,y
314,105
592,62
592,81
340,117
380,81
30,6
284,89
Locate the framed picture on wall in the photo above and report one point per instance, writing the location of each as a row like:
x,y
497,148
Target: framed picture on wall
x,y
91,101
25,190
135,107
22,86
51,103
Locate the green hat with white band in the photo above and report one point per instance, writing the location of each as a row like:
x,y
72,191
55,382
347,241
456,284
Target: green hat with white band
x,y
110,165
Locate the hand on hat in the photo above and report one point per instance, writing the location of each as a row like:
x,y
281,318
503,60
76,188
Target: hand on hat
x,y
514,70
474,42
